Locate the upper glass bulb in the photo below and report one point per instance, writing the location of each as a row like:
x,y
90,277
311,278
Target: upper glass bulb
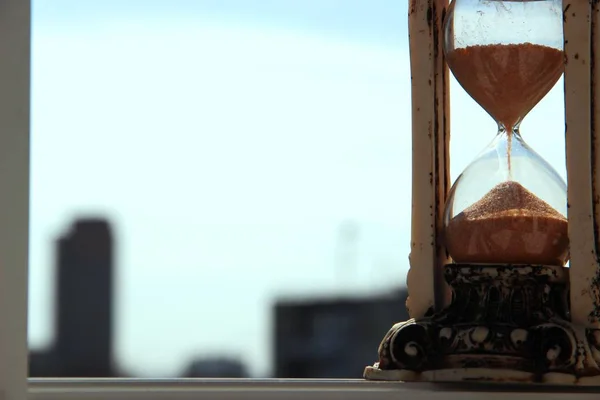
x,y
509,205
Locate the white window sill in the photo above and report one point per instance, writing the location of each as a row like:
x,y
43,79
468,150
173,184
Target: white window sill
x,y
287,389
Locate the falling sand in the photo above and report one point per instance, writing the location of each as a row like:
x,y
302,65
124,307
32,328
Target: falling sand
x,y
509,225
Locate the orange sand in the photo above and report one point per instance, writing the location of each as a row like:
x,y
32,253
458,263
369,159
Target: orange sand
x,y
509,225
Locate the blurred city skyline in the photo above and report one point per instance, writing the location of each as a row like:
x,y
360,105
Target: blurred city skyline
x,y
311,337
228,141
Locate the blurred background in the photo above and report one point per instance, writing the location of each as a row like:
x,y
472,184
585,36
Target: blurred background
x,y
221,188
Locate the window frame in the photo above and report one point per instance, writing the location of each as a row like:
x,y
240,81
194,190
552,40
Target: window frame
x,y
15,64
15,53
284,389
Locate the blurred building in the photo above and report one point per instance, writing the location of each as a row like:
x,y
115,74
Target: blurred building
x,y
84,312
216,368
43,363
84,322
333,338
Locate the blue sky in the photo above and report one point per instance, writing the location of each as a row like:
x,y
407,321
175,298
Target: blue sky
x,y
227,141
357,20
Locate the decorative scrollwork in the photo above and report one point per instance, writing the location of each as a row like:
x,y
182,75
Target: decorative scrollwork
x,y
519,295
554,347
593,337
501,318
411,346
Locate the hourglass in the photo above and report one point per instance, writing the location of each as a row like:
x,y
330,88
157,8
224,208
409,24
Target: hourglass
x,y
504,222
509,205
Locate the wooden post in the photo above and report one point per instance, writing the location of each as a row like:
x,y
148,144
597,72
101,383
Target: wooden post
x,y
581,161
430,158
14,195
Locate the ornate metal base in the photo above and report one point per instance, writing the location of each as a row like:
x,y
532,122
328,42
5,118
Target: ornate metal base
x,y
504,324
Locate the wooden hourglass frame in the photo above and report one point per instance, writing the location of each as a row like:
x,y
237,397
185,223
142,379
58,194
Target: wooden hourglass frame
x,y
490,320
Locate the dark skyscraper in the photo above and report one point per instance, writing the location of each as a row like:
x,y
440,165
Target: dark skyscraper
x,y
84,300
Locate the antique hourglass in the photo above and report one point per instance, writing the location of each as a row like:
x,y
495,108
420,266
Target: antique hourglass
x,y
509,205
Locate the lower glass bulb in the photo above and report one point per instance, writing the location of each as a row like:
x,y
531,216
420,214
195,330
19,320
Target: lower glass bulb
x,y
508,207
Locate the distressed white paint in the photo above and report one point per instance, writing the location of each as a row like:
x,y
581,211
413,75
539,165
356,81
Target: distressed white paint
x,y
595,109
577,33
429,82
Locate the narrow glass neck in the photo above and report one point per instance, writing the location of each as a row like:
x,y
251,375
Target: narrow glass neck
x,y
505,141
507,130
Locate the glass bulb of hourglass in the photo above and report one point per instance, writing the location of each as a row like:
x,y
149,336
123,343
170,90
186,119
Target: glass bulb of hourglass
x,y
509,205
